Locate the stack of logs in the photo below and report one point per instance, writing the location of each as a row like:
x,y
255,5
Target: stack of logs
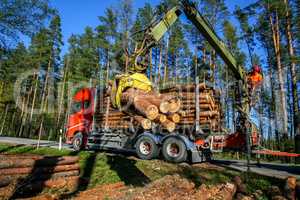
x,y
140,109
28,174
172,108
210,113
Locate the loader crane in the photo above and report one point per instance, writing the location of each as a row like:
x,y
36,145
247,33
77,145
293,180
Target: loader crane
x,y
151,38
175,146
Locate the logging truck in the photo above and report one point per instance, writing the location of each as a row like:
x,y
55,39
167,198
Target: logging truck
x,y
176,122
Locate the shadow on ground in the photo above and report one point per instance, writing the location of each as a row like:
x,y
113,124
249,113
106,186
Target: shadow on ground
x,y
127,170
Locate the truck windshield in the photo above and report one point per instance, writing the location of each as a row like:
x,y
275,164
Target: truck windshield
x,y
75,107
86,104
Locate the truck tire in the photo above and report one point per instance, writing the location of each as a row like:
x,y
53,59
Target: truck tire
x,y
146,148
77,142
174,150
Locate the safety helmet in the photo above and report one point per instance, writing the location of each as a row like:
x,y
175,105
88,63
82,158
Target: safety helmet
x,y
257,69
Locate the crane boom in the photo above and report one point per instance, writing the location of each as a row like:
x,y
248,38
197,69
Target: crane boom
x,y
158,31
202,25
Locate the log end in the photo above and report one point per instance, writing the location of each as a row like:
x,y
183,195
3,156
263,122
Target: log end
x,y
152,112
164,107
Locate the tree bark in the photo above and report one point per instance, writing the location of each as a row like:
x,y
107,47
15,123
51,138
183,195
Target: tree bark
x,y
4,119
43,101
143,122
276,43
62,94
107,68
151,65
169,126
166,74
291,51
159,65
174,117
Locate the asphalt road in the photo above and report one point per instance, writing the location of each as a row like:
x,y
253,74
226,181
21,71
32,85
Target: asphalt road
x,y
276,170
281,171
25,141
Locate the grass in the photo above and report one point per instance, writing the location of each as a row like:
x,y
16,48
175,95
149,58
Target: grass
x,y
103,168
263,158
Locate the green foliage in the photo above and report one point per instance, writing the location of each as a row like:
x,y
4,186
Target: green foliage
x,y
21,16
257,183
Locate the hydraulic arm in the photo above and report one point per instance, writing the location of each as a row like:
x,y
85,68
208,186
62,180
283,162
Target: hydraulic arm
x,y
157,32
154,33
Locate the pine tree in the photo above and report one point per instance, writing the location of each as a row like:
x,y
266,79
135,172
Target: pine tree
x,y
291,52
21,17
125,17
108,39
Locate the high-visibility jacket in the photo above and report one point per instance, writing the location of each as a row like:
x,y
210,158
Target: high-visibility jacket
x,y
255,79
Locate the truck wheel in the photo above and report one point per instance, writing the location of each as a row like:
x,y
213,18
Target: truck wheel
x,y
174,150
78,143
146,148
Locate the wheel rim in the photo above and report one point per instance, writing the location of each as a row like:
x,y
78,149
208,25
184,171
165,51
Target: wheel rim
x,y
77,142
145,148
173,150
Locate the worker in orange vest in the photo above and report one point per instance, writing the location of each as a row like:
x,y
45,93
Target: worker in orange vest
x,y
255,78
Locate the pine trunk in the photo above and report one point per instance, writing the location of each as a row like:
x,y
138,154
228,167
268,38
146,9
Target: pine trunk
x,y
4,119
43,101
151,65
276,43
107,68
159,65
291,51
60,105
166,73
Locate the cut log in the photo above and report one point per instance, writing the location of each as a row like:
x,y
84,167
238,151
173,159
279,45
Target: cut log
x,y
7,192
107,112
169,125
146,108
69,184
5,181
174,117
145,123
161,118
174,105
142,105
189,88
58,175
159,101
23,156
164,107
40,177
208,113
203,107
39,170
290,188
8,162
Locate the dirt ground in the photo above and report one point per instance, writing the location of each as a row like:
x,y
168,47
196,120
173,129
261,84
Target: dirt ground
x,y
169,187
173,187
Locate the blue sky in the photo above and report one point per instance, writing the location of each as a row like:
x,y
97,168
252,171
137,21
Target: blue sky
x,y
77,14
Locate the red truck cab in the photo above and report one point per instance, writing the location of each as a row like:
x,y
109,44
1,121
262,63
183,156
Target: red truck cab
x,y
80,118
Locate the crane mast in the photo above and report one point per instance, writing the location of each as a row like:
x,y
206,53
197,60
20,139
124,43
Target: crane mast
x,y
155,31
